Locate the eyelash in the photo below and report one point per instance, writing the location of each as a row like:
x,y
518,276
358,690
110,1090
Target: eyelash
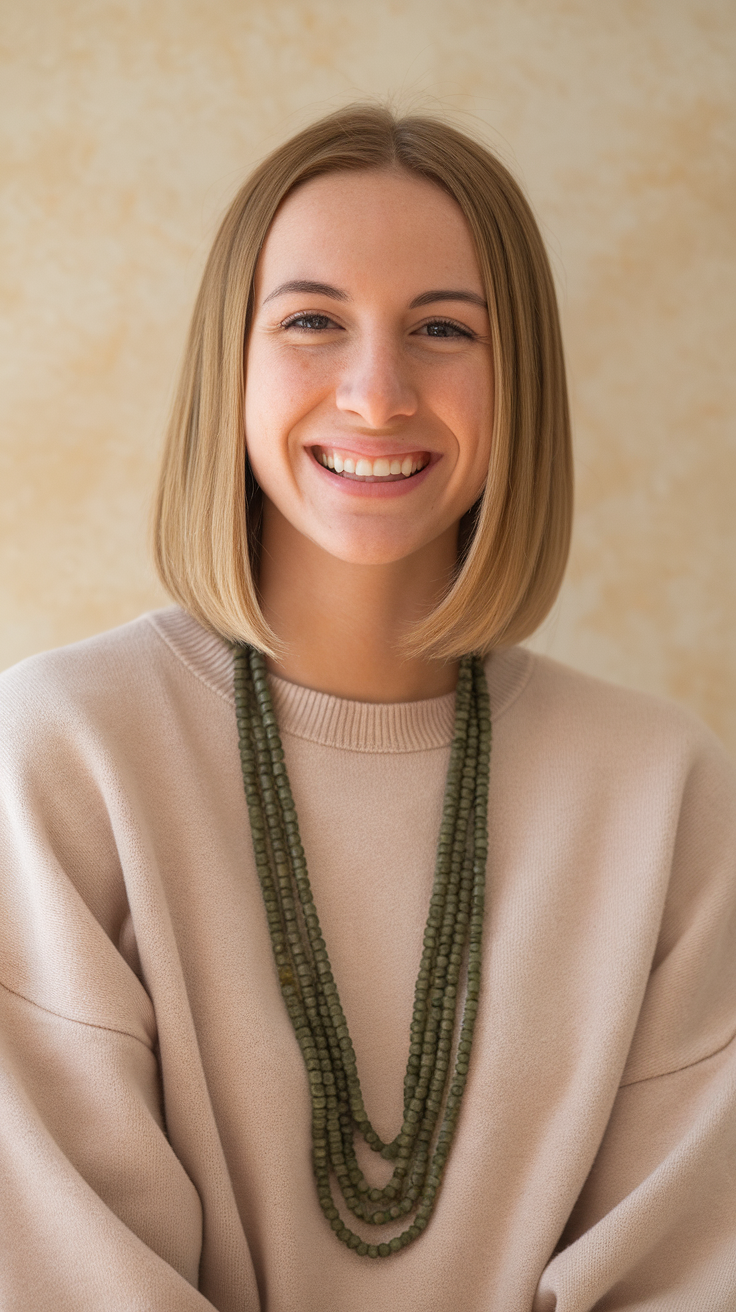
x,y
450,323
299,320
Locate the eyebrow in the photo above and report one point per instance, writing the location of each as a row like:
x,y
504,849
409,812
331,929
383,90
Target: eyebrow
x,y
337,294
429,298
305,285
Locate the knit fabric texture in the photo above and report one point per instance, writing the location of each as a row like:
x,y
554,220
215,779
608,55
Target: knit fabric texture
x,y
154,1110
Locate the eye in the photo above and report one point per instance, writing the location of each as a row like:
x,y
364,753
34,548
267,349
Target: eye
x,y
311,323
445,328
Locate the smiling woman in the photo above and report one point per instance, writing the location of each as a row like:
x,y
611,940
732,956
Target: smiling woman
x,y
309,1002
393,286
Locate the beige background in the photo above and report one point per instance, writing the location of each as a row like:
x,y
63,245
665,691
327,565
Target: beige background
x,y
127,125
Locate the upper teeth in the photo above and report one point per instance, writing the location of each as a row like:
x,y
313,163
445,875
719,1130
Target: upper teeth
x,y
364,468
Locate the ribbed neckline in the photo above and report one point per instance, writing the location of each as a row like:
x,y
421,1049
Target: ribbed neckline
x,y
335,721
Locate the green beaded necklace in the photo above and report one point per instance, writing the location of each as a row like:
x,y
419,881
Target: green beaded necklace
x,y
454,927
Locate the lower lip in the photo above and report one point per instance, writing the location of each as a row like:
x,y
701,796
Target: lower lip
x,y
357,488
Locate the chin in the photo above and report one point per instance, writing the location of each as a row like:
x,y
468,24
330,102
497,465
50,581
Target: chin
x,y
362,550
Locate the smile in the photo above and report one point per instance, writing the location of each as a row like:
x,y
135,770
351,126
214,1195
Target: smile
x,y
382,468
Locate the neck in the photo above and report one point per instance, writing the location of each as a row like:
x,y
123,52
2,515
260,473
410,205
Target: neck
x,y
342,623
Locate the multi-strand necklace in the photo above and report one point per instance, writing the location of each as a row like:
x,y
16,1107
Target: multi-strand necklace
x,y
437,1068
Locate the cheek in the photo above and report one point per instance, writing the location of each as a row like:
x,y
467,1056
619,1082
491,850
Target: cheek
x,y
276,399
281,388
468,412
265,410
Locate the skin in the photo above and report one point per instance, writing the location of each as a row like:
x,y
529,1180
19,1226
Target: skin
x,y
347,566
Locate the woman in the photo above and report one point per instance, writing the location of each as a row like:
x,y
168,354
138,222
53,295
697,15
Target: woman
x,y
229,1084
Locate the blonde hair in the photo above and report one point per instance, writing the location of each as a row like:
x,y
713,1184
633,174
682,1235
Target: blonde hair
x,y
515,539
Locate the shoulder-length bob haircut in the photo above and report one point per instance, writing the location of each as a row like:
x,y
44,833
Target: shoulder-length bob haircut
x,y
515,540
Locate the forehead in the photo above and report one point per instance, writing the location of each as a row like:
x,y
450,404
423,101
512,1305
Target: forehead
x,y
372,226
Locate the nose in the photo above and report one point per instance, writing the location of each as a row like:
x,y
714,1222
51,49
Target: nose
x,y
375,385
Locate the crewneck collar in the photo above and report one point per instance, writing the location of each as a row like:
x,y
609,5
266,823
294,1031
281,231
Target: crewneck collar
x,y
336,721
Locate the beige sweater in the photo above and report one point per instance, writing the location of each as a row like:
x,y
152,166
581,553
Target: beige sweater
x,y
154,1113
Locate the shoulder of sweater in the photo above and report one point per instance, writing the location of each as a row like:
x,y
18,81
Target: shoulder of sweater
x,y
602,716
85,668
97,680
556,684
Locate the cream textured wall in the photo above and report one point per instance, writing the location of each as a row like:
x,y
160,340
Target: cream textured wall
x,y
126,126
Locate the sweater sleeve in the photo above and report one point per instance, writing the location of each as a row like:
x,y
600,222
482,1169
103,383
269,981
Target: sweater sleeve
x,y
96,1210
655,1224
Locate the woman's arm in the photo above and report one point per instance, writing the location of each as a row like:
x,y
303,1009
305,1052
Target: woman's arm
x,y
97,1212
97,1209
655,1224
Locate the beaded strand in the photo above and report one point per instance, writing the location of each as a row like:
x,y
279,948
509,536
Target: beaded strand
x,y
453,932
